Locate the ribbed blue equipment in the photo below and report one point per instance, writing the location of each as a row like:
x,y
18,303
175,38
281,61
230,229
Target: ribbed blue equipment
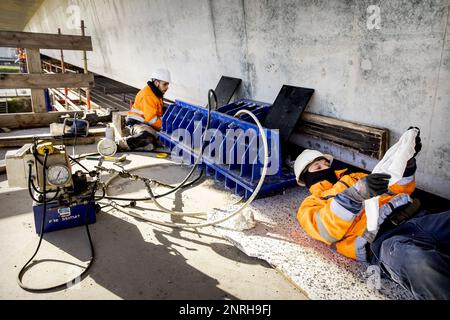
x,y
231,154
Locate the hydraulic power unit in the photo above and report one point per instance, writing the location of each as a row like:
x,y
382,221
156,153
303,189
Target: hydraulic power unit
x,y
67,200
62,217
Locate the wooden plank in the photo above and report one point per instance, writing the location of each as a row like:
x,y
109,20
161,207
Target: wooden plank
x,y
345,154
365,140
18,141
34,67
43,81
50,66
98,132
58,106
17,39
307,116
70,104
30,120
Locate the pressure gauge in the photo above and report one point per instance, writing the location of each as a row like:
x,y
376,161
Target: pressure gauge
x,y
58,175
107,147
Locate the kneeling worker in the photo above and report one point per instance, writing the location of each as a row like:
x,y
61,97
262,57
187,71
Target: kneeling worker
x,y
411,247
144,117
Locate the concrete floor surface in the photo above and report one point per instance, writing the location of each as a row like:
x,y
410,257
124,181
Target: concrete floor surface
x,y
135,259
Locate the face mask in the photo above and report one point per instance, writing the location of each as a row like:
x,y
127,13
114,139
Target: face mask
x,y
311,178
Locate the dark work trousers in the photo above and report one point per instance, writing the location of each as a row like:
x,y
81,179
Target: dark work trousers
x,y
416,255
141,134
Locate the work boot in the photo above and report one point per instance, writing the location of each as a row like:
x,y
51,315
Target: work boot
x,y
126,131
122,145
405,213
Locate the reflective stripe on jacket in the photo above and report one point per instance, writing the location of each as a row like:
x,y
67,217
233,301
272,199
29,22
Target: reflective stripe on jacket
x,y
147,108
330,217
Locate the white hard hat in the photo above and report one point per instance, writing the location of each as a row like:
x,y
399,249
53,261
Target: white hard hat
x,y
305,159
161,74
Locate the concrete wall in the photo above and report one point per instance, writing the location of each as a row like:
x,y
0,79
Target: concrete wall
x,y
391,77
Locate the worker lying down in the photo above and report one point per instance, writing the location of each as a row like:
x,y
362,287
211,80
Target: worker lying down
x,y
411,247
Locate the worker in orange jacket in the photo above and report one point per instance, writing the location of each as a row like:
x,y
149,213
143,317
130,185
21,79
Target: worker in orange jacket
x,y
405,250
144,117
21,59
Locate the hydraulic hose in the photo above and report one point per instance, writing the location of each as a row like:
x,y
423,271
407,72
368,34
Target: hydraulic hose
x,y
78,162
230,214
115,176
182,183
30,184
32,187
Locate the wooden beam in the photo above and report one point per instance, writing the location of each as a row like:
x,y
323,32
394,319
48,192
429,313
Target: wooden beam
x,y
30,120
43,81
17,39
51,66
366,140
60,95
18,141
58,106
344,154
34,67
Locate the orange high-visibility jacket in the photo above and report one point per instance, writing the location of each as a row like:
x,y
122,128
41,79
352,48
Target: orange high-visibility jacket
x,y
330,218
147,108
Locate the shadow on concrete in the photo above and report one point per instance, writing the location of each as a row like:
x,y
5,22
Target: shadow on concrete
x,y
157,172
223,249
15,202
132,268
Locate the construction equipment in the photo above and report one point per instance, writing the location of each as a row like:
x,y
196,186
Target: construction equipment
x,y
107,146
71,191
225,90
61,199
92,117
74,127
236,160
73,201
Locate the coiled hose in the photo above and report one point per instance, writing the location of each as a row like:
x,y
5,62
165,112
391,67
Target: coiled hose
x,y
211,223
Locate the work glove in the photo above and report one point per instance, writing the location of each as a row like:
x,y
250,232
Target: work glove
x,y
373,185
370,186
